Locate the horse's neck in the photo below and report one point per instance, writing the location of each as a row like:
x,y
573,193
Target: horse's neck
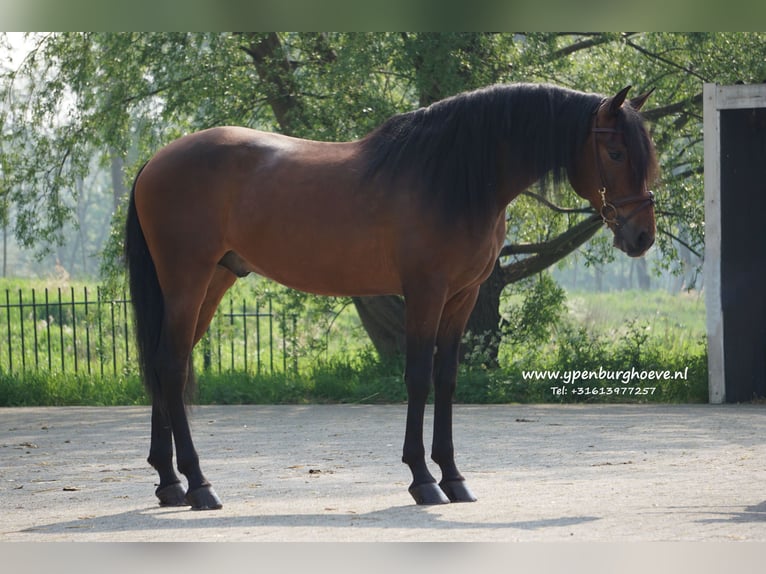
x,y
513,178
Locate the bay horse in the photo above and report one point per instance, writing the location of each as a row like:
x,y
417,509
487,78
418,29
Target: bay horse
x,y
415,208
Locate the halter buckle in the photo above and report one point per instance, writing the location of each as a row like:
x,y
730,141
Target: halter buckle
x,y
608,211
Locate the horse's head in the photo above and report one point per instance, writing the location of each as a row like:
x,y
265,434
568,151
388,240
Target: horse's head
x,y
614,169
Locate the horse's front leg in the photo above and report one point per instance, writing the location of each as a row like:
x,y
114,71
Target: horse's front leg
x,y
451,328
423,313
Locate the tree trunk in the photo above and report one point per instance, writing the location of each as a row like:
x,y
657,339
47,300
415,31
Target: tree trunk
x,y
642,274
383,318
276,73
484,323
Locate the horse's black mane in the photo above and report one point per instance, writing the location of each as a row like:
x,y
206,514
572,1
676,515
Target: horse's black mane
x,y
452,146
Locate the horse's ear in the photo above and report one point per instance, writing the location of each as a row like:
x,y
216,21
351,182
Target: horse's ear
x,y
616,102
638,102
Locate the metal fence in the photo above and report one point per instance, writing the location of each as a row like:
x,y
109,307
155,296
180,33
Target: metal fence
x,y
82,331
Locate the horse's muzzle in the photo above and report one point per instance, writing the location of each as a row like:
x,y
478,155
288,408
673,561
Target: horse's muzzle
x,y
634,242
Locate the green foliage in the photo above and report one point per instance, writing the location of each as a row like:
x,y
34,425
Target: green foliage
x,y
58,389
575,349
531,321
81,101
364,378
243,388
367,380
536,306
112,268
613,333
121,95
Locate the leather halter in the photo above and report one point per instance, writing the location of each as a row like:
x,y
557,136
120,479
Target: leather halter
x,y
608,209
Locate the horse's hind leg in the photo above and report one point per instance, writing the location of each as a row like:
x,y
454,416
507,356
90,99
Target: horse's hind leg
x,y
452,325
170,492
183,305
173,365
188,313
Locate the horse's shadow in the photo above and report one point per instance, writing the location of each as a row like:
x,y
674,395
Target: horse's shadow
x,y
753,513
397,517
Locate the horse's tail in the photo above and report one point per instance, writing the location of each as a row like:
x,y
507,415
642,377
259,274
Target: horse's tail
x,y
146,295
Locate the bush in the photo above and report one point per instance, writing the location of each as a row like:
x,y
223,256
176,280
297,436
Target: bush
x,y
542,308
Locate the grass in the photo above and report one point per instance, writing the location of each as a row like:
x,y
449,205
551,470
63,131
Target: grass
x,y
609,331
675,320
615,332
57,389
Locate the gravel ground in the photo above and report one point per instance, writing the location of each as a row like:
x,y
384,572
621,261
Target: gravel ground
x,y
586,473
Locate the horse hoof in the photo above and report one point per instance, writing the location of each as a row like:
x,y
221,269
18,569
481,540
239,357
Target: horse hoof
x,y
203,498
457,491
172,495
428,493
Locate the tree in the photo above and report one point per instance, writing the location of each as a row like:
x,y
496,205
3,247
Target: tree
x,y
438,65
120,96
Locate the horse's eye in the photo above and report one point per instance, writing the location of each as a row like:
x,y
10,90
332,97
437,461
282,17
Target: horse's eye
x,y
615,155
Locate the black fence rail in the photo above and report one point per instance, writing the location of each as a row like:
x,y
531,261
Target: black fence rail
x,y
87,332
242,338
